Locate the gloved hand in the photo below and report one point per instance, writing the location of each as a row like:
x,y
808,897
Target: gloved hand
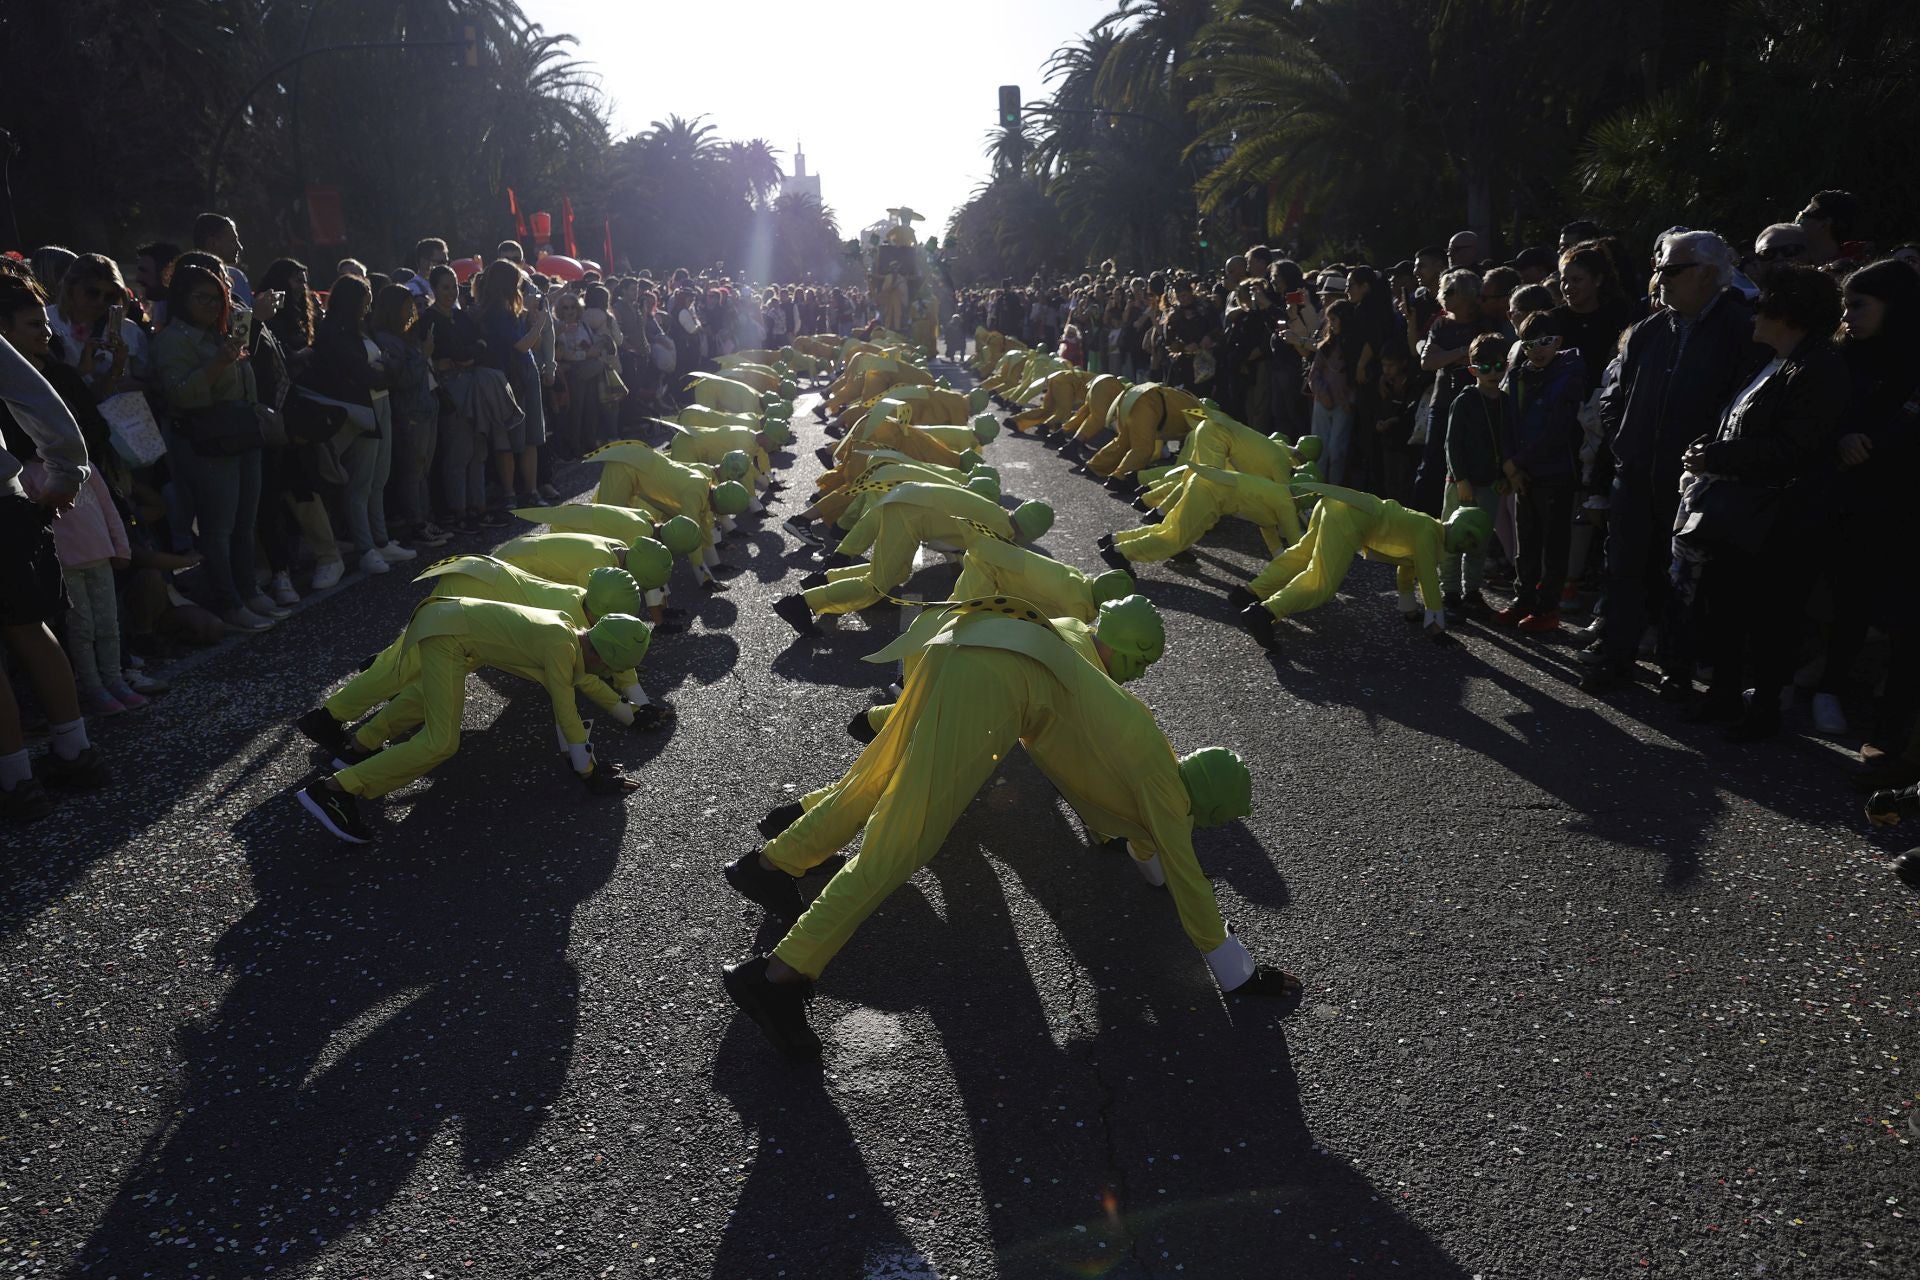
x,y
648,718
623,713
1886,808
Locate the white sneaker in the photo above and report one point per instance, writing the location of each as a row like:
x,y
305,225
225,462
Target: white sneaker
x,y
374,562
393,552
263,605
327,574
282,589
245,620
1828,718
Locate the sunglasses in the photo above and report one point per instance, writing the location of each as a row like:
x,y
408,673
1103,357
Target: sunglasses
x,y
1777,253
1497,367
1538,343
1666,269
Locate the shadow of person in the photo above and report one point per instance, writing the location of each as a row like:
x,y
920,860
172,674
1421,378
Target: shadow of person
x,y
378,1002
762,553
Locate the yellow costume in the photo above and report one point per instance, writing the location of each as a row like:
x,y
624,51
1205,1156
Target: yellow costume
x,y
1142,416
994,568
1061,395
563,557
987,682
1207,494
947,517
622,522
1090,419
1346,523
443,642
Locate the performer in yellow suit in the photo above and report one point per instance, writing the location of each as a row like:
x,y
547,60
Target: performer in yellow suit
x,y
1346,523
632,471
1143,417
1206,495
992,679
444,641
947,518
994,568
570,557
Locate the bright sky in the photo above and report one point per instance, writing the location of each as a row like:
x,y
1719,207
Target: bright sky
x,y
892,102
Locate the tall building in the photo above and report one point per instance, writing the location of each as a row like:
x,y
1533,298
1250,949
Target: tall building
x,y
800,180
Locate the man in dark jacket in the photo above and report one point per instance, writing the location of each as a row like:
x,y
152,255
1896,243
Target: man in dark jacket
x,y
1681,366
1546,388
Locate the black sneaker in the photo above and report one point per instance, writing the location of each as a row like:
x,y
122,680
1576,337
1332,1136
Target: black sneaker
x,y
814,579
773,890
1105,542
1240,597
27,802
495,520
778,820
779,1009
797,615
1152,517
1113,557
826,456
322,730
860,729
1907,867
85,771
337,811
1259,620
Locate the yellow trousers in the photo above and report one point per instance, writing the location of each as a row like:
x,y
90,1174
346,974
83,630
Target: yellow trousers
x,y
960,715
1306,575
854,587
434,701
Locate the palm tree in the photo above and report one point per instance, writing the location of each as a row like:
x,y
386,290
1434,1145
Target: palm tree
x,y
1148,60
680,142
755,165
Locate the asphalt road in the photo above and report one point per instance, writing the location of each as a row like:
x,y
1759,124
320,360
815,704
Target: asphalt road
x,y
1588,992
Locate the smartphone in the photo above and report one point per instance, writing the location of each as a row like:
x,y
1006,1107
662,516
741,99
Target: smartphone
x,y
242,327
115,315
1298,298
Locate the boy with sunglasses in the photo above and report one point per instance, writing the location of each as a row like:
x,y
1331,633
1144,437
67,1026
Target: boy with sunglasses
x,y
1547,387
1480,436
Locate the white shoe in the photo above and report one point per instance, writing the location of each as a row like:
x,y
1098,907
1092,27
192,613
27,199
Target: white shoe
x,y
326,574
245,620
263,605
1828,718
282,589
393,552
374,562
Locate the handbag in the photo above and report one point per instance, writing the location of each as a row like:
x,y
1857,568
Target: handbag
x,y
613,388
132,430
665,354
221,430
1728,514
310,421
360,416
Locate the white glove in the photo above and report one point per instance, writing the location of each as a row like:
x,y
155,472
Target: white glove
x,y
636,695
1437,618
623,714
560,736
1230,963
580,756
1151,871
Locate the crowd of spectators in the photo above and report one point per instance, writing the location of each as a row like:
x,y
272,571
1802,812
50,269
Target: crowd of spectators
x,y
1693,449
252,438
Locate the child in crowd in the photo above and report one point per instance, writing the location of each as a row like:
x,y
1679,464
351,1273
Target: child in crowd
x,y
1479,439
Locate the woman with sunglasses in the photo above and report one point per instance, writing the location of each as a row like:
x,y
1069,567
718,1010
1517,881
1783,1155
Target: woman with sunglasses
x,y
89,319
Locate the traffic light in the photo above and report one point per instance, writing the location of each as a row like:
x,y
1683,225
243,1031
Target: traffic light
x,y
470,53
1009,106
1200,234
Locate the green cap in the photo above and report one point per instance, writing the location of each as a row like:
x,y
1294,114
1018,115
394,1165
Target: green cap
x,y
621,640
943,383
611,590
987,487
978,399
985,427
734,465
1031,520
681,536
730,498
775,407
781,368
1468,529
778,431
650,563
1111,585
1308,447
1219,788
1131,628
984,470
969,458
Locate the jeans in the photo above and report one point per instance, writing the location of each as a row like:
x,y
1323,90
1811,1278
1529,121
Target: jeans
x,y
1335,429
1543,528
585,425
1639,555
1460,575
226,508
463,466
414,441
368,462
93,626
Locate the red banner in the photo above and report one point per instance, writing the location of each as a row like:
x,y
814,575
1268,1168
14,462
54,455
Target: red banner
x,y
325,223
566,227
606,246
519,221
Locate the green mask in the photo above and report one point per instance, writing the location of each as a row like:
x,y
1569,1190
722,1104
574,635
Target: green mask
x,y
621,640
1131,629
650,563
611,590
1219,788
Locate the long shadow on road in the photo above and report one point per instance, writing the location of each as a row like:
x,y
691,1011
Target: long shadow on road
x,y
379,1001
